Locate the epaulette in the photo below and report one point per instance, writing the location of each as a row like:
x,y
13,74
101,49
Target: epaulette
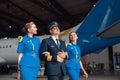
x,y
20,38
68,44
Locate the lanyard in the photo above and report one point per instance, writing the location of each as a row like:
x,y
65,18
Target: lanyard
x,y
76,52
32,45
33,48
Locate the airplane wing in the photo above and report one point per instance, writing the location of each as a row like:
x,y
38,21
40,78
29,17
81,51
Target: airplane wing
x,y
112,31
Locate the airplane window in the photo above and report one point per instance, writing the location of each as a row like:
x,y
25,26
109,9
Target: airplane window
x,y
6,46
10,46
3,46
0,46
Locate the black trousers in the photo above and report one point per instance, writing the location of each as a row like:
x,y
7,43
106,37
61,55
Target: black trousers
x,y
56,77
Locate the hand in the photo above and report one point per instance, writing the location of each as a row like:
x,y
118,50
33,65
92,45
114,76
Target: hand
x,y
46,53
18,75
66,54
61,54
59,59
85,75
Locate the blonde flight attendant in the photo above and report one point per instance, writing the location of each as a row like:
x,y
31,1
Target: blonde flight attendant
x,y
28,53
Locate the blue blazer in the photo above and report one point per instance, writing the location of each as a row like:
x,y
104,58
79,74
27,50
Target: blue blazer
x,y
52,67
30,56
73,62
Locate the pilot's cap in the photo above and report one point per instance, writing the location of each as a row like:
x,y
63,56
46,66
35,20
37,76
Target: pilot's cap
x,y
53,24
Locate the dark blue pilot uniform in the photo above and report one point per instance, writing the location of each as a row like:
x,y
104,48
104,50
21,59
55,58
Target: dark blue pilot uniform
x,y
53,67
73,64
29,63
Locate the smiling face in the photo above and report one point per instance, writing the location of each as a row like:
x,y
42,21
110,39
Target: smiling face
x,y
55,30
73,37
32,29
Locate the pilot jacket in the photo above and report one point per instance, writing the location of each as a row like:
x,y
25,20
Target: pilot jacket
x,y
52,67
73,64
30,62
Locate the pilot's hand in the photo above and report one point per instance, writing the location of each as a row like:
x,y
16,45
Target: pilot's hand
x,y
46,53
59,59
62,54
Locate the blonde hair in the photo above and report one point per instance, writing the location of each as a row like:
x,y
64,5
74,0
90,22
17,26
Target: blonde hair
x,y
27,26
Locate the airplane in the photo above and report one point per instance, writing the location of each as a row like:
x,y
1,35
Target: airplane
x,y
94,33
100,29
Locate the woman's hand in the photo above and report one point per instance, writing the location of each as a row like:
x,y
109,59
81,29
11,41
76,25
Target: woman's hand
x,y
66,54
46,53
61,54
85,75
19,76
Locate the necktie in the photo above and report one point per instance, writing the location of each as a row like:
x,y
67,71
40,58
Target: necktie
x,y
58,44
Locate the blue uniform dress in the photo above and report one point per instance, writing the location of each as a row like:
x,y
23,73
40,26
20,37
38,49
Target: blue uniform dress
x,y
73,64
30,62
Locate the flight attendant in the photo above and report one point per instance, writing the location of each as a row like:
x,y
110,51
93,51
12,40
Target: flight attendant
x,y
74,63
28,56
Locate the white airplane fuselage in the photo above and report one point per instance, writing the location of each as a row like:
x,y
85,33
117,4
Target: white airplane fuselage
x,y
8,49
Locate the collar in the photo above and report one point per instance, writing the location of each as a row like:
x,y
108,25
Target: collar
x,y
73,44
54,38
29,36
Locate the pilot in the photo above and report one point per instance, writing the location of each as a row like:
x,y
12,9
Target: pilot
x,y
74,63
28,51
53,51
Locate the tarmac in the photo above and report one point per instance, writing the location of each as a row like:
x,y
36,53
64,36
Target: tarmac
x,y
95,76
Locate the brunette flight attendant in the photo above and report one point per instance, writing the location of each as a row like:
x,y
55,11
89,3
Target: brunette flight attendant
x,y
74,63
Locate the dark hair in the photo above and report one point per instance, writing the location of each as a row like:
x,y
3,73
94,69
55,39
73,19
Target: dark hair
x,y
70,34
27,26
